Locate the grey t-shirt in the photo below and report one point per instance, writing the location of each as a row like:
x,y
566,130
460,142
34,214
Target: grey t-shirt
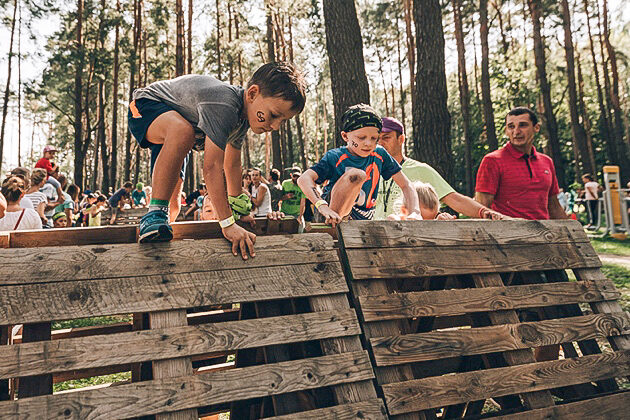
x,y
213,107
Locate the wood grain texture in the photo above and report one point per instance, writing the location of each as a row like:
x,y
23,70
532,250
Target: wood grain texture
x,y
81,299
73,236
365,410
172,368
463,301
610,407
459,233
165,343
4,239
452,389
171,394
58,264
438,261
433,345
210,229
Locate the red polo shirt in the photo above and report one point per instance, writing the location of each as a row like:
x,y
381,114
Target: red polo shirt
x,y
521,187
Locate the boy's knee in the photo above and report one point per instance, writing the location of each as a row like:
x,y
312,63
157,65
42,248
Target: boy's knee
x,y
356,176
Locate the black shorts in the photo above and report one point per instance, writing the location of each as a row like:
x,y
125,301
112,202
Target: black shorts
x,y
141,113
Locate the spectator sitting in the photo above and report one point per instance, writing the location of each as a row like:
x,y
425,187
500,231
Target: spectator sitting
x,y
95,211
275,188
16,217
52,169
60,220
116,200
193,196
261,197
138,196
246,180
38,199
68,205
25,174
85,205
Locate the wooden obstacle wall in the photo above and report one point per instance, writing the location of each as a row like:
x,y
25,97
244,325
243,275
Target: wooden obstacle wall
x,y
303,338
453,310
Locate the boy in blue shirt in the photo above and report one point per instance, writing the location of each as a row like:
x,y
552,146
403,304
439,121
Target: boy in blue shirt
x,y
172,117
353,171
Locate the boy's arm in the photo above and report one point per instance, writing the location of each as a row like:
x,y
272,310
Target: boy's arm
x,y
233,170
306,182
213,164
410,195
302,207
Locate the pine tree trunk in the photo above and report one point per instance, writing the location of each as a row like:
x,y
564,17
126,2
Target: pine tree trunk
x,y
219,75
411,60
19,105
114,155
7,90
464,94
585,118
132,86
301,142
380,69
230,59
403,93
345,57
190,19
604,125
79,156
431,120
179,39
577,130
101,136
276,147
488,112
548,117
624,152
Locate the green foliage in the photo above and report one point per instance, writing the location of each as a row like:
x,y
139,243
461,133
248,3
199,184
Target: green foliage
x,y
611,246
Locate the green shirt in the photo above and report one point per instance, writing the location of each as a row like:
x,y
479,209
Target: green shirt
x,y
291,206
390,192
67,204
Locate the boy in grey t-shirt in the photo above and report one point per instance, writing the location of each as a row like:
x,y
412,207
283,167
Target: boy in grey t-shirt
x,y
173,117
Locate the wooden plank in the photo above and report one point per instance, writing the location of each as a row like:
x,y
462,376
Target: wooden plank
x,y
73,236
58,264
459,233
439,391
535,399
41,384
345,393
82,299
4,239
409,348
386,263
211,229
172,368
464,301
157,344
158,395
603,408
369,410
617,343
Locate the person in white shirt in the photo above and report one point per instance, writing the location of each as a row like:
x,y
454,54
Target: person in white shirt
x,y
16,217
591,195
38,199
261,197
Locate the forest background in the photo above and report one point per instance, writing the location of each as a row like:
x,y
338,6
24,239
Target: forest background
x,y
449,69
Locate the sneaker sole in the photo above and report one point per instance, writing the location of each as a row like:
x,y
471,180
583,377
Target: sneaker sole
x,y
163,234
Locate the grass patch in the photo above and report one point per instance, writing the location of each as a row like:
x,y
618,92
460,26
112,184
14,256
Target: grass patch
x,y
611,246
621,277
95,380
88,322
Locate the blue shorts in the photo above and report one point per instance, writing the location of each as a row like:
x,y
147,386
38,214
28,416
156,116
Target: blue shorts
x,y
141,113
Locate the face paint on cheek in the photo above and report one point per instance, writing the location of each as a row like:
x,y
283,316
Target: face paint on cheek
x,y
261,116
354,144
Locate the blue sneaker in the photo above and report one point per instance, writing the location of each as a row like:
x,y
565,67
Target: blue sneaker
x,y
154,227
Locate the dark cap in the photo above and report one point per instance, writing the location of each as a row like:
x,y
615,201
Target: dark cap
x,y
392,124
296,170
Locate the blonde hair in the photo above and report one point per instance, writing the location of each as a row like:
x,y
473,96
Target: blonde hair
x,y
427,196
13,188
38,176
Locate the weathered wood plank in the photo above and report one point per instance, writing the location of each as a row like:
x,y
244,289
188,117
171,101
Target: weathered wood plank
x,y
463,301
81,299
41,384
210,229
452,389
437,261
609,407
73,236
159,395
535,399
139,346
459,233
368,410
4,239
617,343
172,368
433,345
57,264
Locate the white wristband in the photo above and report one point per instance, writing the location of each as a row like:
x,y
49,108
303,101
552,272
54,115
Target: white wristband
x,y
227,222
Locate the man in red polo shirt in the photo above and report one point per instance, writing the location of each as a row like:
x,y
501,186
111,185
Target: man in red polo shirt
x,y
516,180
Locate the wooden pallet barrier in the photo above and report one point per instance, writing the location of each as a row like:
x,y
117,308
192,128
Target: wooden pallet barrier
x,y
329,373
454,313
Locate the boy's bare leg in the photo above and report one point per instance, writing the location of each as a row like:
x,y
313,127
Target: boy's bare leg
x,y
175,202
178,138
346,190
